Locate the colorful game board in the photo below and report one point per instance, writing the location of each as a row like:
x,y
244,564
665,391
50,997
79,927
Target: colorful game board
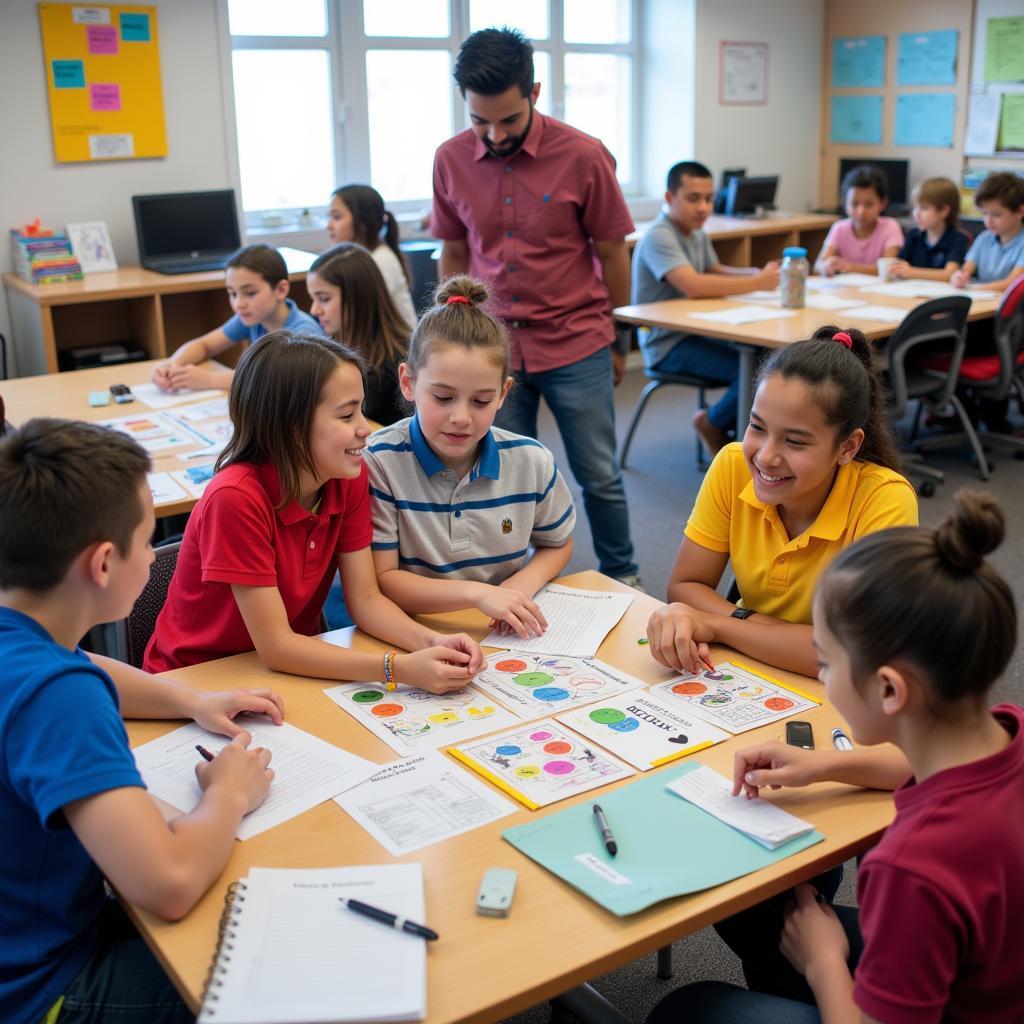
x,y
540,763
542,684
734,697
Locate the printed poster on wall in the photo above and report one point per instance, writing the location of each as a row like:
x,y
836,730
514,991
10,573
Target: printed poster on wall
x,y
102,67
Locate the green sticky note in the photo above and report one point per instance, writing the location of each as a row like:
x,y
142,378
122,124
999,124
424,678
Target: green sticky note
x,y
1004,50
1011,122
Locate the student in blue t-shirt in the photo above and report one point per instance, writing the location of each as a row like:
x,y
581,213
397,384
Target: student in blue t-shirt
x,y
76,517
997,256
935,247
257,283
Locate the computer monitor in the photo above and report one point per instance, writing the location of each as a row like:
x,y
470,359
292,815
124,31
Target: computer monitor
x,y
727,175
895,171
746,196
183,231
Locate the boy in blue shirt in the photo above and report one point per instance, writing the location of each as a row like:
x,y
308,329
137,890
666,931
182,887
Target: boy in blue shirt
x,y
997,256
76,517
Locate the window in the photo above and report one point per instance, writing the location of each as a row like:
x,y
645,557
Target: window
x,y
361,90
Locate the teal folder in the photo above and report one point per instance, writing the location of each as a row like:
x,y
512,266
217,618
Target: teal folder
x,y
667,846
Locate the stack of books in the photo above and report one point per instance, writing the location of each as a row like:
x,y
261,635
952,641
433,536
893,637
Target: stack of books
x,y
44,258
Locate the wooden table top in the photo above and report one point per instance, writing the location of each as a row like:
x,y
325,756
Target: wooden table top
x,y
720,227
485,969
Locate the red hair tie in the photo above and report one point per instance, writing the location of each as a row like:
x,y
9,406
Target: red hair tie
x,y
841,336
457,298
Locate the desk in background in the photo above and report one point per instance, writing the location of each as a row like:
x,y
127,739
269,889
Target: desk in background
x,y
485,969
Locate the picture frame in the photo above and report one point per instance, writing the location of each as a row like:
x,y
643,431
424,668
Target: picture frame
x,y
743,74
90,242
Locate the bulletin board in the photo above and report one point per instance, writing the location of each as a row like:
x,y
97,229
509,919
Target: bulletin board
x,y
1003,80
102,67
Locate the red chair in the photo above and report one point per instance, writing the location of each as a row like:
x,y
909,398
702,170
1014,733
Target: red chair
x,y
995,376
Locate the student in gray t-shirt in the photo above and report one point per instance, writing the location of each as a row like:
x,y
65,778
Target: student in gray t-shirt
x,y
675,259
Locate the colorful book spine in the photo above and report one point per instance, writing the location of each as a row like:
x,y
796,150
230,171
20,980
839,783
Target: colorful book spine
x,y
44,259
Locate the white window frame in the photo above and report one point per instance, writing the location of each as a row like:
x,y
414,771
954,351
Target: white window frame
x,y
347,44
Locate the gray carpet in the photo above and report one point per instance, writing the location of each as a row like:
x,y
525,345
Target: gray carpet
x,y
661,483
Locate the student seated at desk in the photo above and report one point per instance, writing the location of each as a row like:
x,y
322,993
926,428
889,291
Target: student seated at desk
x,y
997,256
912,628
257,283
854,245
935,246
507,493
675,259
816,470
288,506
76,517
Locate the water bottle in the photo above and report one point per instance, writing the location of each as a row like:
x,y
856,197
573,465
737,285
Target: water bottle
x,y
793,277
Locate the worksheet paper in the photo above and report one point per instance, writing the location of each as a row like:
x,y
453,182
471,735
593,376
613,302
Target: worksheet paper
x,y
156,398
762,821
297,954
883,314
155,431
421,800
737,315
533,685
164,488
193,487
307,770
841,281
813,301
216,408
578,621
913,289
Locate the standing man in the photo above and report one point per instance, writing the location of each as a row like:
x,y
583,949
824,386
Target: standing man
x,y
533,206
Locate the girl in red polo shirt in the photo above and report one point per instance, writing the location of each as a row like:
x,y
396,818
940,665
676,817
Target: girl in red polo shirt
x,y
912,627
288,506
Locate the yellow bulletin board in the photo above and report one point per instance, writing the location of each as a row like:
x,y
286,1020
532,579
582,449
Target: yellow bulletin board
x,y
102,66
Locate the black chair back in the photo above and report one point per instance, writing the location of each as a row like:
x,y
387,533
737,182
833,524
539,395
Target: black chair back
x,y
139,625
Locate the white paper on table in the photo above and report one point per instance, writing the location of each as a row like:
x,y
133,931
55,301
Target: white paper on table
x,y
164,488
190,485
578,621
884,314
744,315
765,823
846,280
983,110
307,770
155,431
761,295
156,398
215,409
200,453
826,301
914,288
421,800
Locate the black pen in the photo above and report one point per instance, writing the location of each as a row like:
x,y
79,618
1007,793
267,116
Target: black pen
x,y
606,833
396,922
204,753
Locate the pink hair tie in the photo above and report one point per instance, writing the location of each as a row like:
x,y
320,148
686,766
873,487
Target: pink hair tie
x,y
841,336
457,298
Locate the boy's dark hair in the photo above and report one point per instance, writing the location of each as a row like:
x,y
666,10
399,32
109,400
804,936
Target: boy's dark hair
x,y
370,218
274,395
1004,188
865,176
263,260
688,168
939,192
493,60
64,485
846,385
370,321
927,597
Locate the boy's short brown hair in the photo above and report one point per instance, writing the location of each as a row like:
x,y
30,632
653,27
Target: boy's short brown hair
x,y
1004,188
63,486
939,192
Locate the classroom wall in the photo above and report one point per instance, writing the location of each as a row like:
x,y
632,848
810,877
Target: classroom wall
x,y
35,185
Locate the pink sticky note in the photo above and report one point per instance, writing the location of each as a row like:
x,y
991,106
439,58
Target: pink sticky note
x,y
102,38
105,97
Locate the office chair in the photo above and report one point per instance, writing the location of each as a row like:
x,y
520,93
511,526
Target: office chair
x,y
132,634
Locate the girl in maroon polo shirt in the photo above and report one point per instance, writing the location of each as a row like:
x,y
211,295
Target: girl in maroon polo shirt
x,y
288,506
912,627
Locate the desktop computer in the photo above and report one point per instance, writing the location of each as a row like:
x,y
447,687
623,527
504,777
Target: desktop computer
x,y
751,197
727,175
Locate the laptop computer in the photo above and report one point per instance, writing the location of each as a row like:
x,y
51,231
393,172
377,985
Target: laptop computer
x,y
183,232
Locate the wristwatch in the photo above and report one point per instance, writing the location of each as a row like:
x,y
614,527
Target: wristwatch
x,y
741,613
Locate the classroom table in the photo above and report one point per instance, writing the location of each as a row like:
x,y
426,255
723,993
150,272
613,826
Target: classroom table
x,y
485,969
747,339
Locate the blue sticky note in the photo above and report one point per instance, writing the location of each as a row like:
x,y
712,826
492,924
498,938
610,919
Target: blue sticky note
x,y
925,119
858,62
927,58
68,74
135,28
856,119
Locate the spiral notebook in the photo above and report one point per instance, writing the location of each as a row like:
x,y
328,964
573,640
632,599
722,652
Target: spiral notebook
x,y
289,952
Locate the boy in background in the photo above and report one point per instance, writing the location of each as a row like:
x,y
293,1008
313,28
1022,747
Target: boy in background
x,y
935,247
997,256
76,517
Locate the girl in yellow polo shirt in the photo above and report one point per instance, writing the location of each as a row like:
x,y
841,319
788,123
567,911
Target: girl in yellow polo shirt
x,y
817,468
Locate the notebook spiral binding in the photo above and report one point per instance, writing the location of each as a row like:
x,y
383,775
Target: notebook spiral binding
x,y
233,898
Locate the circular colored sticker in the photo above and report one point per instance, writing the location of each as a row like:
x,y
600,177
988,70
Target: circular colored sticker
x,y
508,750
691,689
557,747
532,679
559,767
607,716
551,693
628,725
510,665
443,718
540,736
779,703
367,696
388,710
528,771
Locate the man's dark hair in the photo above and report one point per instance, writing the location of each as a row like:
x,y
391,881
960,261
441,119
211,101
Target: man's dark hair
x,y
493,60
685,167
63,486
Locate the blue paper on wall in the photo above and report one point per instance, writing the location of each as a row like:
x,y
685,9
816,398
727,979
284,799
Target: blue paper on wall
x,y
927,58
856,119
858,61
925,119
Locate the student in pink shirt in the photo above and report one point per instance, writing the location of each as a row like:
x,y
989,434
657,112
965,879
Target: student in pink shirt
x,y
854,245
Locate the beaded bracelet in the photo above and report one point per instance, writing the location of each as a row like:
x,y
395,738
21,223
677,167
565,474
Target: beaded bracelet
x,y
389,671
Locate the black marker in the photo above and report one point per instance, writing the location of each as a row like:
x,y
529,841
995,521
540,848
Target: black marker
x,y
396,922
606,833
204,753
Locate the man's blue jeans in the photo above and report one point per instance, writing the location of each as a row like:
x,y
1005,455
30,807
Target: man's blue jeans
x,y
581,398
712,359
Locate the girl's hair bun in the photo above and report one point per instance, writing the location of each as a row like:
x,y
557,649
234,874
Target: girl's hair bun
x,y
461,286
973,528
